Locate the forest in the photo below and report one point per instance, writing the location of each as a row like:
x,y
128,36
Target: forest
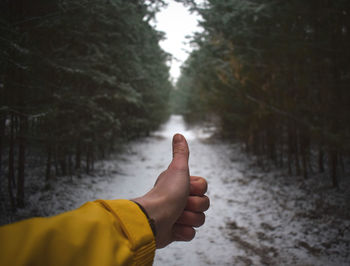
x,y
77,79
276,76
88,109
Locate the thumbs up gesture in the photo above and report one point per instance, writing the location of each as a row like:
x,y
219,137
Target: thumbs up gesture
x,y
176,202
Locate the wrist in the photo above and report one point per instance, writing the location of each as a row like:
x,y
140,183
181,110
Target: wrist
x,y
151,221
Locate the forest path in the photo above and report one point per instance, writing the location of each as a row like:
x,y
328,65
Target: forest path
x,y
255,218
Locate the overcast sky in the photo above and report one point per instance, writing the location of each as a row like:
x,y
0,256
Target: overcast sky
x,y
177,22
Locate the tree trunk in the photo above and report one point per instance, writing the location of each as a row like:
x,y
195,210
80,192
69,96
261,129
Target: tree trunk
x,y
2,136
70,164
92,156
87,159
78,156
62,160
320,159
63,165
57,171
341,162
290,150
11,168
333,167
304,146
280,148
296,153
304,163
48,162
21,160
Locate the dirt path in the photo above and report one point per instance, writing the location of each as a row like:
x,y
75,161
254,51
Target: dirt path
x,y
256,218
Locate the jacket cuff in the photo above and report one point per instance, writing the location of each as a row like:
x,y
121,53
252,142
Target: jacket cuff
x,y
136,227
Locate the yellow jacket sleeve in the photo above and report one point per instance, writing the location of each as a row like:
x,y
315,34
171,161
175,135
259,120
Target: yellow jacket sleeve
x,y
104,232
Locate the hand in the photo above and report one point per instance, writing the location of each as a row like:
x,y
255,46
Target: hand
x,y
177,201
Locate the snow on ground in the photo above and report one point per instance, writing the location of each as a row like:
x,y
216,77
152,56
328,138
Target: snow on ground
x,y
255,218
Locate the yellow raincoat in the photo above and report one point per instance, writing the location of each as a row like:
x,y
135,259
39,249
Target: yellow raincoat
x,y
104,232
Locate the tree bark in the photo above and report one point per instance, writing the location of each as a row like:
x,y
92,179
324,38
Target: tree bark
x,y
57,171
304,146
333,167
78,156
2,136
11,168
320,160
48,162
62,160
87,158
290,150
296,153
21,160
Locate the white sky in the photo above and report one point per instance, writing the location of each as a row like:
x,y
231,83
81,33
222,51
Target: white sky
x,y
177,22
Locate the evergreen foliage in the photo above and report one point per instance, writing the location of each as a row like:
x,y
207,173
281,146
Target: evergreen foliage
x,y
77,77
277,74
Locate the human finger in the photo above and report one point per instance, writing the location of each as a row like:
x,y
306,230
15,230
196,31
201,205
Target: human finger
x,y
183,232
193,219
198,186
197,204
180,153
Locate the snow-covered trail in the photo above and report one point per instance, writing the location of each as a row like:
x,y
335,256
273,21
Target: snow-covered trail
x,y
252,220
255,218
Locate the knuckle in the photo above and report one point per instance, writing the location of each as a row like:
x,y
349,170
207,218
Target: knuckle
x,y
180,150
180,166
204,185
201,219
201,203
205,203
199,185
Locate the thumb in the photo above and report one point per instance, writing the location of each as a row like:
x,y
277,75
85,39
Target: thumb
x,y
180,153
